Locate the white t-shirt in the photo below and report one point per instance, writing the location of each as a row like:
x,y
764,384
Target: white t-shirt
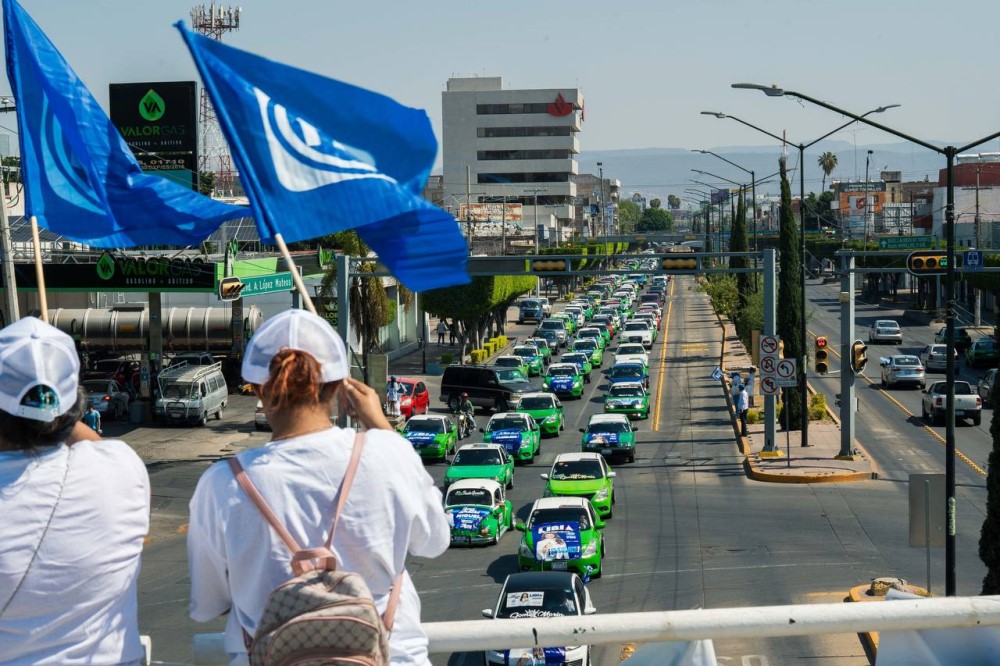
x,y
393,509
77,603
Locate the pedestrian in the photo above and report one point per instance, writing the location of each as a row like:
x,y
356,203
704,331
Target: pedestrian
x,y
76,511
452,333
298,366
442,328
734,385
742,405
393,394
92,418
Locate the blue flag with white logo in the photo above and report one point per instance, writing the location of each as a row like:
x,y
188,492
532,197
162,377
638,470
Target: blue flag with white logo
x,y
80,178
317,156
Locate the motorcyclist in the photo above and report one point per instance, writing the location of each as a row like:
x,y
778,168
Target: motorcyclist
x,y
468,411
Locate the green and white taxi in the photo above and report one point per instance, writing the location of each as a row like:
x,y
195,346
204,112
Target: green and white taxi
x,y
570,322
544,348
631,352
582,475
590,346
481,461
628,398
432,436
582,361
610,435
512,362
593,333
564,379
562,534
478,512
546,409
532,358
518,433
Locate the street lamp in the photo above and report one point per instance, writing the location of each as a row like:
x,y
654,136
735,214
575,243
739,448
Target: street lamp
x,y
753,190
708,211
802,245
949,153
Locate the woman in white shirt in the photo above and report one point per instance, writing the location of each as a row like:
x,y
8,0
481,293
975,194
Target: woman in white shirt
x,y
298,367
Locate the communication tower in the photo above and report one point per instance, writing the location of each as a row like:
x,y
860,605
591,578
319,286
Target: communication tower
x,y
214,21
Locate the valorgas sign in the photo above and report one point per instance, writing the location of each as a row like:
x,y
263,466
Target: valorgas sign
x,y
111,273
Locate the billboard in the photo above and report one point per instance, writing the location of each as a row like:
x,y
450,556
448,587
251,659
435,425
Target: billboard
x,y
159,123
856,207
490,212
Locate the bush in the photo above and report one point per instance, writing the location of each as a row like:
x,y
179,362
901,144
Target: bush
x,y
478,356
569,295
489,347
447,359
755,415
817,407
501,341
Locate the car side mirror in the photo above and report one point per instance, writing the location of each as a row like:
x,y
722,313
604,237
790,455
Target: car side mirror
x,y
612,475
482,430
582,430
519,525
589,610
544,475
487,612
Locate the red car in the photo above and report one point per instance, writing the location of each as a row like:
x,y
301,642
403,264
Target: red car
x,y
416,397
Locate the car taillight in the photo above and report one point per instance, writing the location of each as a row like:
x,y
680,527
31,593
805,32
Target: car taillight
x,y
938,401
106,398
919,369
979,402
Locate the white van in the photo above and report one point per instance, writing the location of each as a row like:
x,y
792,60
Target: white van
x,y
191,393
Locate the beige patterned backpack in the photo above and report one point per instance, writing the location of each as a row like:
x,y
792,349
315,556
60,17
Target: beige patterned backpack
x,y
322,616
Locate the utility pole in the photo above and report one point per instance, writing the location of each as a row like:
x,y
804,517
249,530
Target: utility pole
x,y
468,203
11,309
534,191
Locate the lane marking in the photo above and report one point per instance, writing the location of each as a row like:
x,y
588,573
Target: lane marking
x,y
663,360
961,456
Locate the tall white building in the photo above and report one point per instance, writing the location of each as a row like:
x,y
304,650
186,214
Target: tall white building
x,y
512,145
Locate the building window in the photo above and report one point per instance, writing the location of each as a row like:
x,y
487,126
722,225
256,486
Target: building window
x,y
523,155
531,177
500,109
508,132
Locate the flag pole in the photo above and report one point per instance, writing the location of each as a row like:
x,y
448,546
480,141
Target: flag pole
x,y
43,301
299,284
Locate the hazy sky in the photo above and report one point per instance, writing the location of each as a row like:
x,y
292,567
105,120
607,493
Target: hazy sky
x,y
646,67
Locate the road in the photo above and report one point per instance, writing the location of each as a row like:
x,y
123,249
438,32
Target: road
x,y
690,530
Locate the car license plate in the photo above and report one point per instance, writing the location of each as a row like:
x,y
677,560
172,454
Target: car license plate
x,y
971,412
559,566
607,452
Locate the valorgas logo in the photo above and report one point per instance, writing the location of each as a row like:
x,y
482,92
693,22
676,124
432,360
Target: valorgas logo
x,y
152,106
105,267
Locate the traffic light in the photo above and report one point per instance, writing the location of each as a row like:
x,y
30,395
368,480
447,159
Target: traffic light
x,y
859,356
549,265
230,288
688,263
927,262
821,356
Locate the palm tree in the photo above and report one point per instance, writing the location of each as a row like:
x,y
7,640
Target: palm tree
x,y
827,162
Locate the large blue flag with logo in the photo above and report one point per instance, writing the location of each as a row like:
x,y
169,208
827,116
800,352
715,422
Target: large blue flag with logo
x,y
317,156
80,178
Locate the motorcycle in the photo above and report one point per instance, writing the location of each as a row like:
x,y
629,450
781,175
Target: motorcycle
x,y
465,425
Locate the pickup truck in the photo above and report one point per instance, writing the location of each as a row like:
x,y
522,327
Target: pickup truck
x,y
968,404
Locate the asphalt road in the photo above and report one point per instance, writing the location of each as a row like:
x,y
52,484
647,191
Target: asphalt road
x,y
689,530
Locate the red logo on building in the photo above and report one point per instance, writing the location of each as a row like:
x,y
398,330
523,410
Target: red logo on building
x,y
560,107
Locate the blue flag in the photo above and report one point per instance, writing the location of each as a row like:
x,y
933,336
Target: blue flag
x,y
317,156
80,178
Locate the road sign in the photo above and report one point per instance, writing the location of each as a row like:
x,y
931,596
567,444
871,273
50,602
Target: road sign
x,y
768,385
973,260
904,242
768,365
267,284
769,344
785,372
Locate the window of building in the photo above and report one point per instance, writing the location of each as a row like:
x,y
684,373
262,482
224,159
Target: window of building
x,y
498,109
528,177
508,132
523,154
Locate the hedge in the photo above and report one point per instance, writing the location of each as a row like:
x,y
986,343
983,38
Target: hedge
x,y
478,356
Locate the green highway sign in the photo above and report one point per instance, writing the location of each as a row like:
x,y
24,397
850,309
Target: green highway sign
x,y
904,242
267,284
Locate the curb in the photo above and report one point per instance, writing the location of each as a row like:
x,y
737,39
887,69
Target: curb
x,y
869,638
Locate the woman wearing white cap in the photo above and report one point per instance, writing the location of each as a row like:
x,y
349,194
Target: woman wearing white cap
x,y
298,367
74,516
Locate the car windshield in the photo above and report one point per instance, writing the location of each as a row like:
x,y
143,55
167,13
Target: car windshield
x,y
506,423
907,360
961,388
530,303
536,402
939,349
575,358
435,426
508,362
589,333
630,349
636,326
622,371
541,343
553,325
563,514
533,602
107,366
407,388
625,392
174,389
525,352
609,426
475,457
479,496
588,345
508,375
576,470
562,372
95,386
886,324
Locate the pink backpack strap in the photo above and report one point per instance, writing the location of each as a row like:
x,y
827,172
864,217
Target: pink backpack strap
x,y
345,485
251,490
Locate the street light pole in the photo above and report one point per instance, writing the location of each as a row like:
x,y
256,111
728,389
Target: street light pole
x,y
753,189
949,153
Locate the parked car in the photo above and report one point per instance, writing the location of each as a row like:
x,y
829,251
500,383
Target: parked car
x,y
416,398
119,369
962,338
984,351
901,369
935,357
968,404
986,386
106,396
885,330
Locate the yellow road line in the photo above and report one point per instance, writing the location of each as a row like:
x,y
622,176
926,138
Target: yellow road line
x,y
964,458
663,361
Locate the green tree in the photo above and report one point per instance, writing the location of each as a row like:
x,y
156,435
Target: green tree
x,y
827,162
654,203
629,214
673,202
206,183
790,296
655,219
738,243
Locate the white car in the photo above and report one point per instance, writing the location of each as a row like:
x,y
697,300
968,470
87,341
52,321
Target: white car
x,y
107,397
577,313
935,357
631,351
902,369
638,329
885,330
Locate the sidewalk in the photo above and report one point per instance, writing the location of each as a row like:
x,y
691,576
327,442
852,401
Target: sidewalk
x,y
817,463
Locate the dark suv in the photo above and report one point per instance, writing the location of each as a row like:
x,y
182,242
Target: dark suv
x,y
489,387
962,338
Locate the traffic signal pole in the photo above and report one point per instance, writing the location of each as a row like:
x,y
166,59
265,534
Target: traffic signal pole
x,y
846,356
770,293
949,433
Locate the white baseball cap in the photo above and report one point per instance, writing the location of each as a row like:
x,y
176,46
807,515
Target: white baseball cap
x,y
39,370
300,330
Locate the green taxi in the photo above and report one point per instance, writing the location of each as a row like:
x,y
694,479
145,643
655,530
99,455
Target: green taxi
x,y
594,333
547,411
564,379
543,348
481,461
519,434
582,475
590,346
570,322
582,361
628,398
512,362
984,351
562,534
586,306
432,436
478,512
609,435
531,356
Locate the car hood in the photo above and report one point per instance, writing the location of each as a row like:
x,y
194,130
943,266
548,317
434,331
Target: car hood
x,y
576,486
539,414
424,438
456,472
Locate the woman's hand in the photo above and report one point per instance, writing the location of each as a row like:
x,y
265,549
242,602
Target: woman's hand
x,y
360,401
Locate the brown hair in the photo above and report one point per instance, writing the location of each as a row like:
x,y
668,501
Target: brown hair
x,y
295,381
24,434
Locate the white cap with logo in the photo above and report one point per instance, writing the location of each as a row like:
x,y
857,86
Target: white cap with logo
x,y
39,370
299,330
